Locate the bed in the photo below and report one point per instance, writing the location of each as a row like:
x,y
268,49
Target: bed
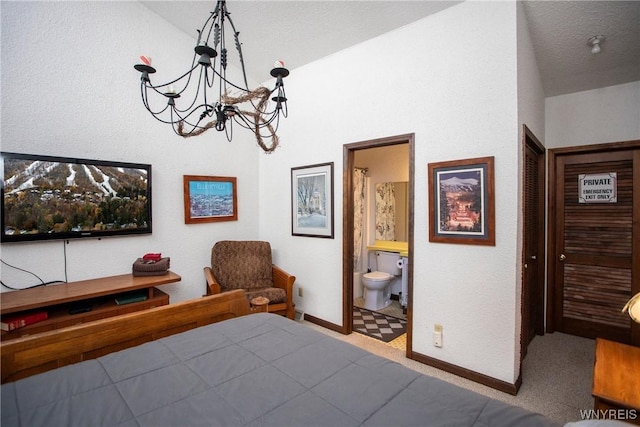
x,y
212,362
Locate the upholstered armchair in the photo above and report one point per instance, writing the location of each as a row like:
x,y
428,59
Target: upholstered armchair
x,y
247,265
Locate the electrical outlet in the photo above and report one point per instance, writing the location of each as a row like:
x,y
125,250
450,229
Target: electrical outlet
x,y
437,335
300,292
437,339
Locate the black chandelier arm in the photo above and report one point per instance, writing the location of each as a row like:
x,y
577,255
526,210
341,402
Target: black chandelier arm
x,y
145,101
264,119
242,121
228,131
255,122
175,97
276,117
239,49
284,109
195,96
261,107
209,83
272,137
261,93
275,111
258,93
219,36
175,116
230,83
281,99
167,84
213,17
204,111
203,78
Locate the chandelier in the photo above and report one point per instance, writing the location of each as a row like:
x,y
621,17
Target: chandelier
x,y
203,97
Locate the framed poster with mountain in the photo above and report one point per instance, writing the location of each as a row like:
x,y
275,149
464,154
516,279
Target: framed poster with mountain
x,y
461,202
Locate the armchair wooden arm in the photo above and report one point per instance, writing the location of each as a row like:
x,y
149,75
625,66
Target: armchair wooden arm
x,y
284,280
213,287
281,279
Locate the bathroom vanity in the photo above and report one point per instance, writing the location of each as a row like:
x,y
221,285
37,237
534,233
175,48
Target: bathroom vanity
x,y
388,246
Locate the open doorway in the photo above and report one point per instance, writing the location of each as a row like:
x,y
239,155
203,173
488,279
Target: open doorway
x,y
349,154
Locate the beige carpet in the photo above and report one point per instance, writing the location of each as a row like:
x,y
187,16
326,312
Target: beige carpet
x,y
557,372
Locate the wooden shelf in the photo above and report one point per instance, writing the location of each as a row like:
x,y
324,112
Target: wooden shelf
x,y
98,294
45,296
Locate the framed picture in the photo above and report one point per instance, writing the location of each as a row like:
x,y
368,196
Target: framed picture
x,y
312,200
461,202
209,199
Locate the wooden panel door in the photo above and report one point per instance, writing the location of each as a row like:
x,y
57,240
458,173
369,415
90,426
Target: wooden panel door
x,y
592,244
533,238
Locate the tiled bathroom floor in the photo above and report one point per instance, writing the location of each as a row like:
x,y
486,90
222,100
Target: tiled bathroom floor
x,y
394,310
377,325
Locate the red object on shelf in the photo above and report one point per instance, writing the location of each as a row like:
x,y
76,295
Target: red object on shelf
x,y
152,257
11,323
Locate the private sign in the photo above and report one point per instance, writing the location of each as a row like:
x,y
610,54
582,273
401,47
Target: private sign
x,y
598,188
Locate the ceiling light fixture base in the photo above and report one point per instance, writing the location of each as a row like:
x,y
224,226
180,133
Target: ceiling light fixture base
x,y
594,42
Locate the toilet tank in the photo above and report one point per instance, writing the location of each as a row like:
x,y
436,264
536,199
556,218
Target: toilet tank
x,y
388,262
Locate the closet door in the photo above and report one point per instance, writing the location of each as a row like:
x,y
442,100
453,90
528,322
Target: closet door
x,y
533,237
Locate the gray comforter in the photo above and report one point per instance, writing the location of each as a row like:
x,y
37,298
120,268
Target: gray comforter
x,y
256,370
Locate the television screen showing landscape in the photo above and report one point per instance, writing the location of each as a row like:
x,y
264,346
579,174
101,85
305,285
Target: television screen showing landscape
x,y
52,197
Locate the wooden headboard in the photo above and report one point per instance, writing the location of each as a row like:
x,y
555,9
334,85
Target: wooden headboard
x,y
42,352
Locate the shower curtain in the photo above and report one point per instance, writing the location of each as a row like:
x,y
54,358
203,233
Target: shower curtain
x,y
358,215
385,211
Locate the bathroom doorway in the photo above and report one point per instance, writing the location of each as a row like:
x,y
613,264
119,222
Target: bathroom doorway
x,y
385,149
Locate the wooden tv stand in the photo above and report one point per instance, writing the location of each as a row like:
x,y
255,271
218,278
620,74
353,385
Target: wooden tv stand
x,y
97,295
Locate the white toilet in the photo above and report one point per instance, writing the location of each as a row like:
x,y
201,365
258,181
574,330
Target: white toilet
x,y
376,283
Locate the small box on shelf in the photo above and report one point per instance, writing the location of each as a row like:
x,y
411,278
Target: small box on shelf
x,y
131,297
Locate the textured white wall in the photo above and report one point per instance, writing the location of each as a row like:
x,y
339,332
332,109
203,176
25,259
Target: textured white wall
x,y
609,114
416,79
530,91
69,89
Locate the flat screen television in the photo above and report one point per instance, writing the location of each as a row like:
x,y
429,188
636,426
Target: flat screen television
x,y
45,197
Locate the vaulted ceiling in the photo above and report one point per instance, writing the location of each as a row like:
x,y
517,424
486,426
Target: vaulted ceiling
x,y
302,31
